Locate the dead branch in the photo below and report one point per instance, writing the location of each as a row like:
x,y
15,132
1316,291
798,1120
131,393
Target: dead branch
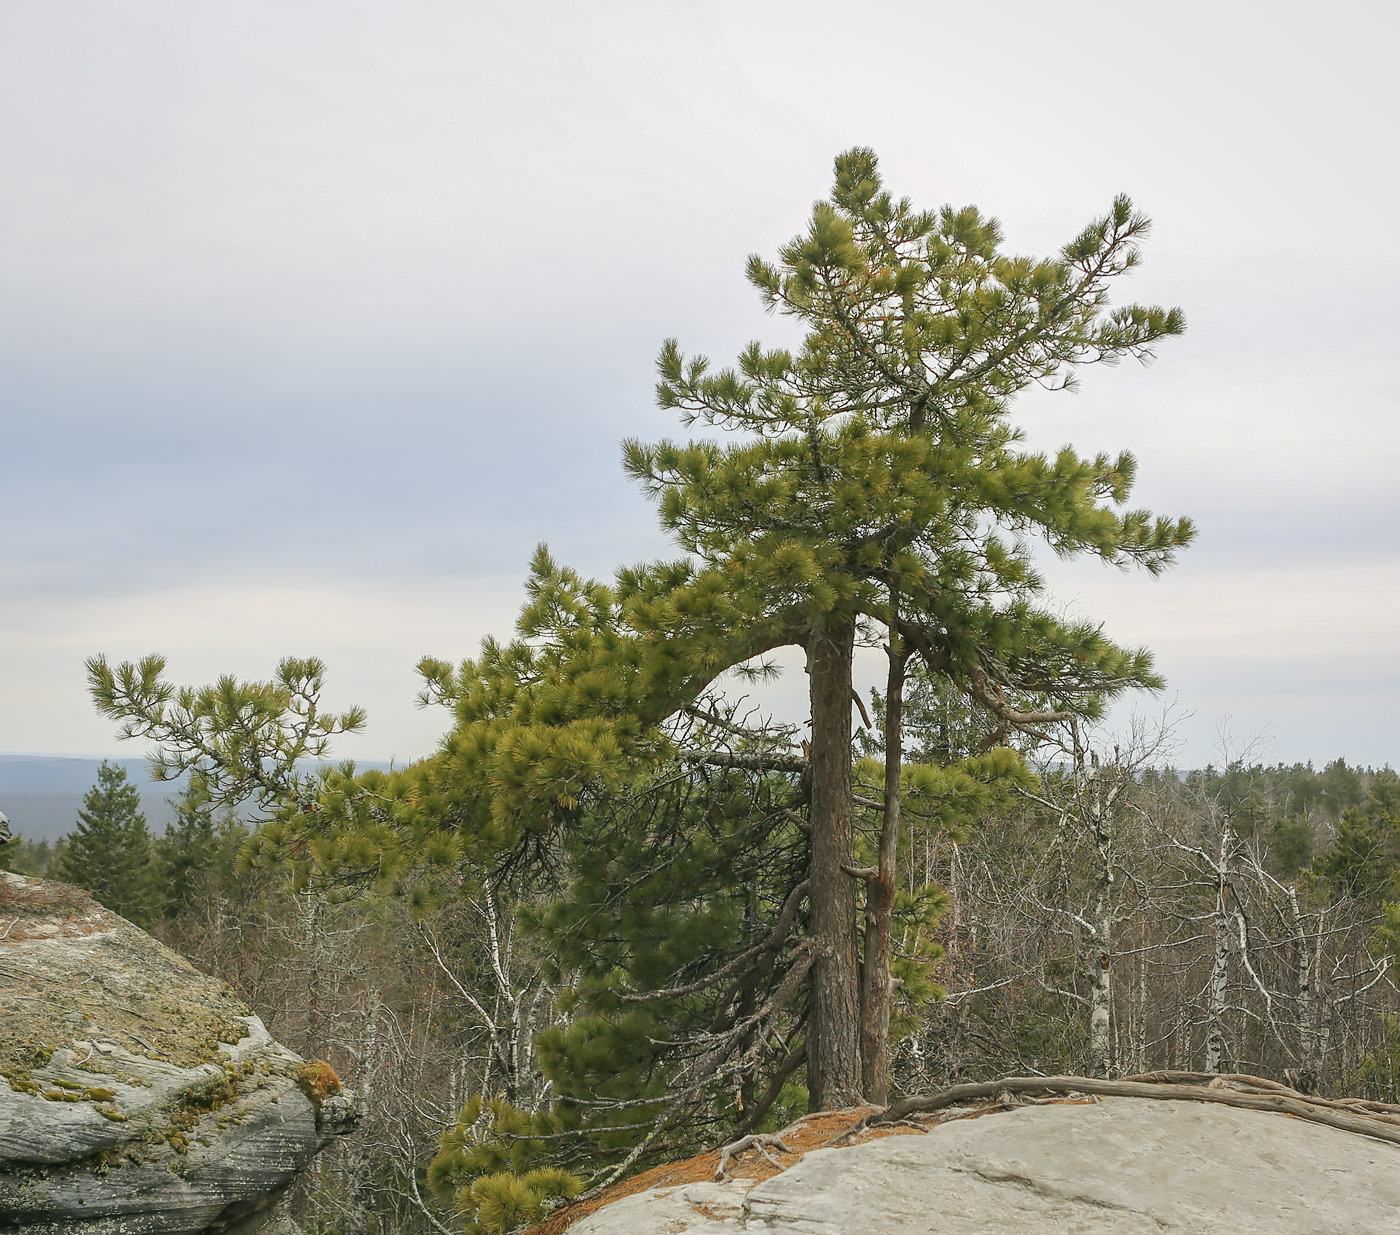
x,y
761,1141
1247,1092
756,762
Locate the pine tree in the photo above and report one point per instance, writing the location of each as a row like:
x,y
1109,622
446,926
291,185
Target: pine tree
x,y
878,492
109,852
1363,860
880,483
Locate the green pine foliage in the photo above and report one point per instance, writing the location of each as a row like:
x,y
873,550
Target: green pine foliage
x,y
671,888
248,741
663,938
494,1168
109,853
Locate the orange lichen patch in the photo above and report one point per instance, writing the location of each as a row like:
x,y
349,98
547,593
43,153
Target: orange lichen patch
x,y
813,1132
318,1081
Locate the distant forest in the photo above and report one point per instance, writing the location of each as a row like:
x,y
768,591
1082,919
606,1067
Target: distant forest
x,y
42,794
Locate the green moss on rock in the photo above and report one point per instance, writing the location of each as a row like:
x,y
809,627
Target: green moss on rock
x,y
145,997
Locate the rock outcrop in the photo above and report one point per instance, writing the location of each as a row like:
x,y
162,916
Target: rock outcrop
x,y
1116,1166
137,1095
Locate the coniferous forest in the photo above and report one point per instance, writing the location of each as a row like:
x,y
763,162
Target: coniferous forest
x,y
620,913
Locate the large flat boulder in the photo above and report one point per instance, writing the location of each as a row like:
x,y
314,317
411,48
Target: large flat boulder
x,y
1118,1166
137,1095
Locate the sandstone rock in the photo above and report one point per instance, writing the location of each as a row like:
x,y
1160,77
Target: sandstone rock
x,y
1122,1166
137,1095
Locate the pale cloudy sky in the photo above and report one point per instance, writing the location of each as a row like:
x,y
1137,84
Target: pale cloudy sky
x,y
316,316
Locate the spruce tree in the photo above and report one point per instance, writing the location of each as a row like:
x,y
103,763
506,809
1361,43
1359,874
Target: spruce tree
x,y
1363,860
27,857
200,845
109,852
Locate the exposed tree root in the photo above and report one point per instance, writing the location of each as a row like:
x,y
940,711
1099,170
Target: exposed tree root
x,y
760,1141
1378,1119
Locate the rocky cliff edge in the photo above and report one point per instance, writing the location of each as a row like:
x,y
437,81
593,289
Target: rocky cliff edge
x,y
137,1095
1066,1162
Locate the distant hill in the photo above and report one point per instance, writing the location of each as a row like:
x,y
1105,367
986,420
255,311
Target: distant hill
x,y
42,794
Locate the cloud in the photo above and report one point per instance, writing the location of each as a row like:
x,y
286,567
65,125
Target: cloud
x,y
314,320
370,635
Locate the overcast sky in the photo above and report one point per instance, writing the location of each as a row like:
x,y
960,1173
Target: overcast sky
x,y
315,317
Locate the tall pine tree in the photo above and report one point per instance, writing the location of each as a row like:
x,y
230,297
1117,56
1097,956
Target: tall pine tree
x,y
876,492
877,485
877,482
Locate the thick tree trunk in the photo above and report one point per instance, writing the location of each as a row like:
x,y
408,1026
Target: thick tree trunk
x,y
833,1053
876,988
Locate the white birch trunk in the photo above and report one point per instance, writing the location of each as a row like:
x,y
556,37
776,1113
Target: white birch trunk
x,y
1308,1061
1140,1021
1101,996
1099,807
1220,960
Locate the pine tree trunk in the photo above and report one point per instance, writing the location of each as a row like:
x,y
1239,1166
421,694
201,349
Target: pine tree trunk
x,y
876,988
833,1050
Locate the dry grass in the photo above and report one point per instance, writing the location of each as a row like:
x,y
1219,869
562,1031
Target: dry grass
x,y
813,1132
25,900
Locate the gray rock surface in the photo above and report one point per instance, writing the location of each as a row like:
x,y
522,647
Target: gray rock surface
x,y
1122,1166
137,1095
708,1207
